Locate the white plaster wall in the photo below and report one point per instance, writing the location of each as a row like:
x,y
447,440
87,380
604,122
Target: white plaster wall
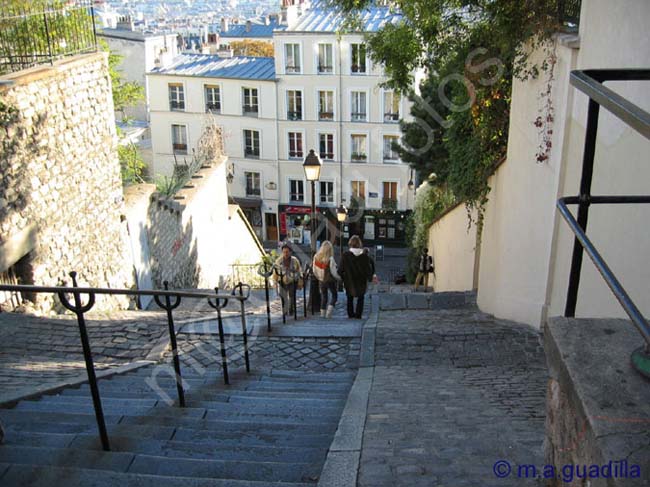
x,y
452,245
526,249
613,35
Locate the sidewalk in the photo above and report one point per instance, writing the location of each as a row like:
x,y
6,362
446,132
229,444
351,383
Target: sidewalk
x,y
448,393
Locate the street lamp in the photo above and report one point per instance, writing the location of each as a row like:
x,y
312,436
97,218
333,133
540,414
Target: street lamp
x,y
341,215
312,166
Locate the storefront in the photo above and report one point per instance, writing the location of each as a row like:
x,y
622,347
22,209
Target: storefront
x,y
384,227
295,223
252,208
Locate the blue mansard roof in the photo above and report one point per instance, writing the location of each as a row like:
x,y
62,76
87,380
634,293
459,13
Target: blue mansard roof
x,y
212,66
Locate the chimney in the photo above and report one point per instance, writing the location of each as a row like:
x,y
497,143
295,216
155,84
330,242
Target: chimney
x,y
267,20
248,25
225,24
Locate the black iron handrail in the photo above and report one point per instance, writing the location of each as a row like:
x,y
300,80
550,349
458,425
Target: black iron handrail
x,y
591,82
240,293
33,35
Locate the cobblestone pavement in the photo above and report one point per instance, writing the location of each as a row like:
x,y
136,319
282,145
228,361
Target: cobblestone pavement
x,y
454,391
200,350
37,352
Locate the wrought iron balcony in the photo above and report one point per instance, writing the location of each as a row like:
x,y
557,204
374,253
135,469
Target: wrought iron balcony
x,y
325,115
359,116
176,105
359,157
391,117
294,115
213,107
250,110
388,204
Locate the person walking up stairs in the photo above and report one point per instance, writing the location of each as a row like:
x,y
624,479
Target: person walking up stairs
x,y
326,272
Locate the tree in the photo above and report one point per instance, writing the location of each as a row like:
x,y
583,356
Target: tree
x,y
249,47
125,93
470,50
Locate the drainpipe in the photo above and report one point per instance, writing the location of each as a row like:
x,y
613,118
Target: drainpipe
x,y
340,113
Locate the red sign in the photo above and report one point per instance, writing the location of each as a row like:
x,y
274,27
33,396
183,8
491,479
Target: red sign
x,y
283,223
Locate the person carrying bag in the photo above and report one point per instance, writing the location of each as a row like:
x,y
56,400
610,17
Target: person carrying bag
x,y
325,271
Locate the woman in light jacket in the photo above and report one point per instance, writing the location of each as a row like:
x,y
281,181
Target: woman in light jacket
x,y
326,272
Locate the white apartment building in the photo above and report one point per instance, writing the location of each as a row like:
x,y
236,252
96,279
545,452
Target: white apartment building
x,y
320,92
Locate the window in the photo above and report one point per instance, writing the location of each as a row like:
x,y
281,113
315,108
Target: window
x,y
296,190
294,105
325,59
326,192
251,102
212,99
359,113
295,145
292,58
359,191
389,153
389,199
179,139
176,97
358,59
253,184
325,105
359,150
391,106
251,144
326,146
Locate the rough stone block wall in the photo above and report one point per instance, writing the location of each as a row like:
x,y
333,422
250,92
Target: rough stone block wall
x,y
60,173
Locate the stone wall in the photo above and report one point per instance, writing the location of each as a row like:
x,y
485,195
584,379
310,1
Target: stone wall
x,y
597,415
61,191
195,236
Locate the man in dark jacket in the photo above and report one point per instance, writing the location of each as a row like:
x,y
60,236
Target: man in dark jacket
x,y
356,270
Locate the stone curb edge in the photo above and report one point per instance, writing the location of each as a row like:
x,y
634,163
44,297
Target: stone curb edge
x,y
343,458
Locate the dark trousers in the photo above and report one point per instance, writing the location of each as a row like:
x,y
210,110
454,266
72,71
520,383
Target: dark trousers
x,y
327,288
352,311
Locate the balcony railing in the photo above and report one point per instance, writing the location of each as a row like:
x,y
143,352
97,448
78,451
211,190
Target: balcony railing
x,y
325,115
180,148
252,153
297,197
328,156
325,69
250,110
253,192
294,115
358,116
356,69
359,157
292,69
296,154
213,107
391,117
30,36
176,105
388,204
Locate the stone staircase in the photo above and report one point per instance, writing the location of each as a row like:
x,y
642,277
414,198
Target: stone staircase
x,y
270,428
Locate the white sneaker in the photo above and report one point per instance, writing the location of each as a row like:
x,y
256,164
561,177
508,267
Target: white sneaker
x,y
322,313
330,310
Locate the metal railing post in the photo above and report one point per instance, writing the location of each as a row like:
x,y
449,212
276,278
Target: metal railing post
x,y
305,280
264,271
168,307
583,207
243,325
218,305
79,309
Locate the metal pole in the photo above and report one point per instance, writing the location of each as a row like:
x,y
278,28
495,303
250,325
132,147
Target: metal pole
x,y
243,326
218,305
583,207
79,310
268,304
312,297
168,307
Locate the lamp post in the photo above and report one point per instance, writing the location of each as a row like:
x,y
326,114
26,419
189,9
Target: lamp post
x,y
341,215
312,166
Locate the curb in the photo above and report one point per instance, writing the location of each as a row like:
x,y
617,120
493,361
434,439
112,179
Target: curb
x,y
342,464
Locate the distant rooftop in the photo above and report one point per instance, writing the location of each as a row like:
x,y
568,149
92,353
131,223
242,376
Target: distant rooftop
x,y
212,66
321,18
258,29
132,35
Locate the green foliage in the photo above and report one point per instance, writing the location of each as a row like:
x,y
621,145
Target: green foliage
x,y
125,93
249,47
431,202
131,164
36,31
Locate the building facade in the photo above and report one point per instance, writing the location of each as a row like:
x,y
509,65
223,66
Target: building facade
x,y
320,92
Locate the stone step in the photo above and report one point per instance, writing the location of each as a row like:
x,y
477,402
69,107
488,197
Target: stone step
x,y
29,438
258,471
253,438
34,476
157,465
106,401
91,459
225,407
28,425
204,450
234,426
210,394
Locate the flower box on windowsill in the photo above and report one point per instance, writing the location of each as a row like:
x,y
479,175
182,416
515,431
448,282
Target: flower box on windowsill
x,y
359,157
